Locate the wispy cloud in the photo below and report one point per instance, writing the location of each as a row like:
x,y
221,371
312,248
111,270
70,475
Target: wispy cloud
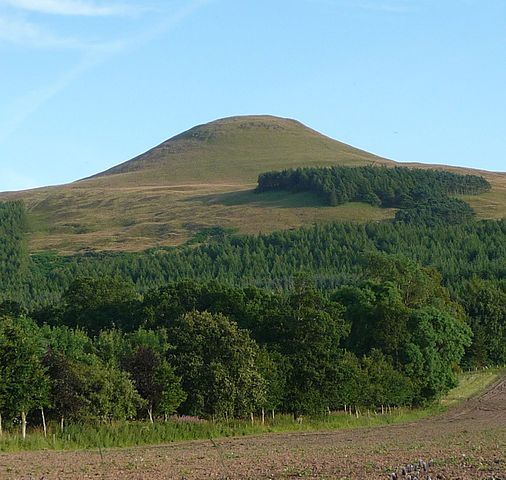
x,y
72,7
28,34
19,25
93,55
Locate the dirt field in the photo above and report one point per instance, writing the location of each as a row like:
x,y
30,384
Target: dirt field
x,y
469,442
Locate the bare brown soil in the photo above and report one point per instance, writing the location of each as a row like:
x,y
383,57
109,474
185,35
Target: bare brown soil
x,y
468,442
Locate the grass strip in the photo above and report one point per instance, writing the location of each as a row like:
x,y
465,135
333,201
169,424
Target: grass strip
x,y
137,433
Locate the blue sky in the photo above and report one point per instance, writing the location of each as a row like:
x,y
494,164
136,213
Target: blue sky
x,y
85,84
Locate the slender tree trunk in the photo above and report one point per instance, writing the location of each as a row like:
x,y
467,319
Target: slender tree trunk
x,y
150,413
252,418
61,424
23,425
1,428
43,421
263,416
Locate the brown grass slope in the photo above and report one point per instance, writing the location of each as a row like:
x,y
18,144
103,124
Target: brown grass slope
x,y
235,150
204,177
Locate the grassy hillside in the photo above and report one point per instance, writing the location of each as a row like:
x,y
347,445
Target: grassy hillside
x,y
233,150
200,178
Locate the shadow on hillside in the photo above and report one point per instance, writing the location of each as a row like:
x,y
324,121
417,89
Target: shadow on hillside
x,y
266,200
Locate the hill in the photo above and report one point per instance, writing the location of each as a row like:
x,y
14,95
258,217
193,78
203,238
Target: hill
x,y
205,177
235,149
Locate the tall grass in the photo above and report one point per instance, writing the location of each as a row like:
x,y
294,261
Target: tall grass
x,y
135,433
472,383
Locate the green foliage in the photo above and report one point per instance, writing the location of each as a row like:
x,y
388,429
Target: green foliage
x,y
110,393
382,384
67,386
331,253
485,304
69,342
23,376
273,367
155,380
95,303
172,393
309,330
391,333
422,194
436,211
214,234
217,363
13,254
409,318
434,350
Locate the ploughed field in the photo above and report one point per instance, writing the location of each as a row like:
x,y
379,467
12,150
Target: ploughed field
x,y
467,442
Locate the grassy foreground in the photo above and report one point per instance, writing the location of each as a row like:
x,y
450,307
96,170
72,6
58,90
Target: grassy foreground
x,y
125,434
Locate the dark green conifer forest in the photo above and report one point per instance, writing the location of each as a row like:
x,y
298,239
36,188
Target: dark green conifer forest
x,y
423,196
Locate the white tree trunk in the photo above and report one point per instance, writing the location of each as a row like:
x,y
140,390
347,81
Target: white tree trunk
x,y
23,425
61,424
43,421
150,413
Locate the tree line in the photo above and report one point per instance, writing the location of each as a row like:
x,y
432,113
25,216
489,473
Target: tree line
x,y
13,253
471,258
104,352
424,196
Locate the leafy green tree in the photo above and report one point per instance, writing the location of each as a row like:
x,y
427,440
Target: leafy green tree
x,y
485,304
155,381
437,344
405,313
25,383
273,367
379,319
417,285
67,386
172,393
72,344
313,328
217,363
110,393
111,346
100,303
382,384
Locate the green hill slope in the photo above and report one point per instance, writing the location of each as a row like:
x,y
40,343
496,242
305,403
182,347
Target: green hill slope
x,y
234,149
204,177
